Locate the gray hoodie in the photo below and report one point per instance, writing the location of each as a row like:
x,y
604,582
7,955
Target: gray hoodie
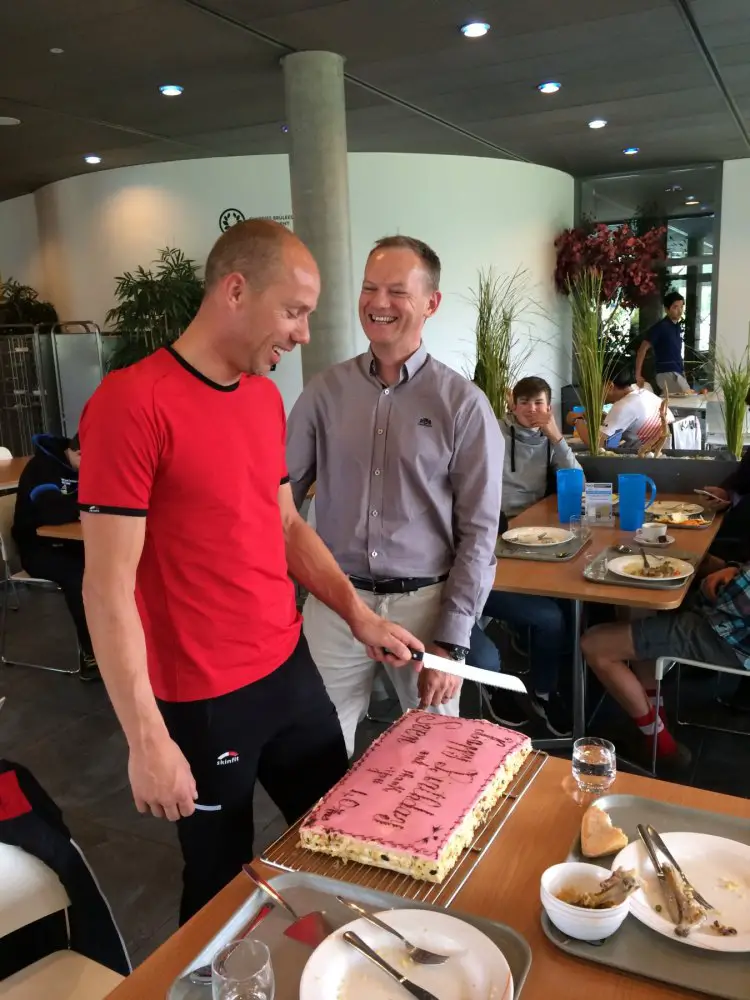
x,y
526,463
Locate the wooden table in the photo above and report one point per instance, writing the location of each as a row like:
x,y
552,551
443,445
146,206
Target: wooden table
x,y
565,580
10,471
69,532
504,887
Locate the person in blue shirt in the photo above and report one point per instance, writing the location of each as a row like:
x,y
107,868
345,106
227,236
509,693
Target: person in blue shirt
x,y
665,339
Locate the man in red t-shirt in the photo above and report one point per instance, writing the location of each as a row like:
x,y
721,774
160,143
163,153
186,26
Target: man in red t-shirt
x,y
191,533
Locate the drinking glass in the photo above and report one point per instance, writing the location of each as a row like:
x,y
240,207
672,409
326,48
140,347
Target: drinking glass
x,y
576,526
242,970
594,764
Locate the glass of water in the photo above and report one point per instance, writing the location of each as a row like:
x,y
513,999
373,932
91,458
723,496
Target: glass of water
x,y
594,764
242,970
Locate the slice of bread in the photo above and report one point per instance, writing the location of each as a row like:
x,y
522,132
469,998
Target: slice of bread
x,y
598,836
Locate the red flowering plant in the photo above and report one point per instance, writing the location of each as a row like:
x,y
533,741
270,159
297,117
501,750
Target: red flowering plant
x,y
624,259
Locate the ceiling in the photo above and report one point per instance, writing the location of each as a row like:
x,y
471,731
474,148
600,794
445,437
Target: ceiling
x,y
670,76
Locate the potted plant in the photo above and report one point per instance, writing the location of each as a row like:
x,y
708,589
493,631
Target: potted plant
x,y
500,302
20,304
153,306
732,382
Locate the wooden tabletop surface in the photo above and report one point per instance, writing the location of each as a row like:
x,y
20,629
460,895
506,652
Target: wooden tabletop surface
x,y
10,471
70,532
504,887
566,580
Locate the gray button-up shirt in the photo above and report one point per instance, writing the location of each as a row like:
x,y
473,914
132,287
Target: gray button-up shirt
x,y
408,478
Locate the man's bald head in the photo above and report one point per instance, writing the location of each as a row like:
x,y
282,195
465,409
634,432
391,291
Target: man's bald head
x,y
255,249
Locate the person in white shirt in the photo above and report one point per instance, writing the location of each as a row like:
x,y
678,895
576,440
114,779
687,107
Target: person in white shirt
x,y
634,415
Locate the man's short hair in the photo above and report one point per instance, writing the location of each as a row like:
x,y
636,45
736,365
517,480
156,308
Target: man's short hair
x,y
530,387
623,377
253,249
671,297
428,257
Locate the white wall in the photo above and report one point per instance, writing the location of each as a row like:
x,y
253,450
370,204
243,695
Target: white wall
x,y
476,213
733,314
19,241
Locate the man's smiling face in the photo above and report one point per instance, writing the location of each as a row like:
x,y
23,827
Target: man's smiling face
x,y
396,298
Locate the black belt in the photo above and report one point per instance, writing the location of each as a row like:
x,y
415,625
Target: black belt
x,y
404,585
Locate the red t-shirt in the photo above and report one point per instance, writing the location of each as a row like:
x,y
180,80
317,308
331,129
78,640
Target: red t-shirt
x,y
203,464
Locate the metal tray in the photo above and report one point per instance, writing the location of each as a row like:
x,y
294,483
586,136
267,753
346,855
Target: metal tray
x,y
286,853
553,553
308,893
707,514
637,950
593,572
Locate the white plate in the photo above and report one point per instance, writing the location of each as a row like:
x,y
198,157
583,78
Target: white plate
x,y
674,507
712,864
530,536
621,563
654,545
476,970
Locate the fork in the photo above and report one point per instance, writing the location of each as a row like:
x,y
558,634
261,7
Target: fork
x,y
661,846
420,956
643,557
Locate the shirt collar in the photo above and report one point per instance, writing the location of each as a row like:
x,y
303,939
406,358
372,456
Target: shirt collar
x,y
409,368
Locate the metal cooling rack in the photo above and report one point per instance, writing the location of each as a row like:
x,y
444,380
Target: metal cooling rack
x,y
287,855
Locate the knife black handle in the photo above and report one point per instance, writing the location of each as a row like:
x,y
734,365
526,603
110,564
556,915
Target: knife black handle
x,y
416,654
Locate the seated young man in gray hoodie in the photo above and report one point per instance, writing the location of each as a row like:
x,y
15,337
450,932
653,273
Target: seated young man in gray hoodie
x,y
534,449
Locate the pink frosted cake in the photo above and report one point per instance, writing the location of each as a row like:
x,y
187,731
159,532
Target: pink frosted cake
x,y
413,801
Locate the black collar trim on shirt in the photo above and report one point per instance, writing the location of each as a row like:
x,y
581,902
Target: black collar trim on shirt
x,y
199,375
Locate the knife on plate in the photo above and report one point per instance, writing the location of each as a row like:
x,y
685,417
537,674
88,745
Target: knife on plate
x,y
458,668
364,949
661,846
673,905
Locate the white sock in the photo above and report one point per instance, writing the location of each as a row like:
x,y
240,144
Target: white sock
x,y
648,729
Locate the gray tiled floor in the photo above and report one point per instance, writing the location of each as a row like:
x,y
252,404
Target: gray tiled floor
x,y
66,733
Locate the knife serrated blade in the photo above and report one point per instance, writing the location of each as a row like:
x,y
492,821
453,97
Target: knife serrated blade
x,y
460,669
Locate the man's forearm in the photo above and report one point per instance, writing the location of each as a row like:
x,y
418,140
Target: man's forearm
x,y
311,564
640,358
120,648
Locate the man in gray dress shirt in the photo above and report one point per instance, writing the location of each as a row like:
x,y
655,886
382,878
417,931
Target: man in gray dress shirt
x,y
407,458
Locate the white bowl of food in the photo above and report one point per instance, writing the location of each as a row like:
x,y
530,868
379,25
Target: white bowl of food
x,y
585,901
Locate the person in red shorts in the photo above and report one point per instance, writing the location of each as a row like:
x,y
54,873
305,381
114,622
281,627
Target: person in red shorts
x,y
191,534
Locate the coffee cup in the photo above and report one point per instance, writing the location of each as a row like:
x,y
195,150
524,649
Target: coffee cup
x,y
653,532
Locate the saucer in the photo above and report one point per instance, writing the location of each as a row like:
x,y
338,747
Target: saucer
x,y
653,545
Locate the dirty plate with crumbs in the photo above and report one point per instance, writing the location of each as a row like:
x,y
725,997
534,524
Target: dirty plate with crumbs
x,y
476,970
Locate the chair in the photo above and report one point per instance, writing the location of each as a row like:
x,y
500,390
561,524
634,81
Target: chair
x,y
30,892
11,579
663,665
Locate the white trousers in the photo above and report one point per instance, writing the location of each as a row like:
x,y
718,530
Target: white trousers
x,y
348,671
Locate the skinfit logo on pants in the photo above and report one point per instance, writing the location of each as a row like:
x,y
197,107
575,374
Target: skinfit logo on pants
x,y
230,757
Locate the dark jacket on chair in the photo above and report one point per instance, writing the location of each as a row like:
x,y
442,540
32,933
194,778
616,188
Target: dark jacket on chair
x,y
47,491
29,819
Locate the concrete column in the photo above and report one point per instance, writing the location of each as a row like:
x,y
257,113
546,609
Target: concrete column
x,y
316,115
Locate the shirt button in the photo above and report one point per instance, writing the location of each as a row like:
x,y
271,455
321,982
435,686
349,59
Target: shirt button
x,y
374,513
376,472
374,555
380,430
386,392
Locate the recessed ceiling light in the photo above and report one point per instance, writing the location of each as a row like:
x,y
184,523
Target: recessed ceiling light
x,y
7,120
171,89
475,29
597,123
285,127
692,200
631,150
549,87
92,158
56,51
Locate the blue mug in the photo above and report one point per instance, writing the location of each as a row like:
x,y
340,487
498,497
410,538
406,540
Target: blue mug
x,y
569,493
633,502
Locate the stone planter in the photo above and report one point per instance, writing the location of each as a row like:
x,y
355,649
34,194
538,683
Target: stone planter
x,y
676,472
